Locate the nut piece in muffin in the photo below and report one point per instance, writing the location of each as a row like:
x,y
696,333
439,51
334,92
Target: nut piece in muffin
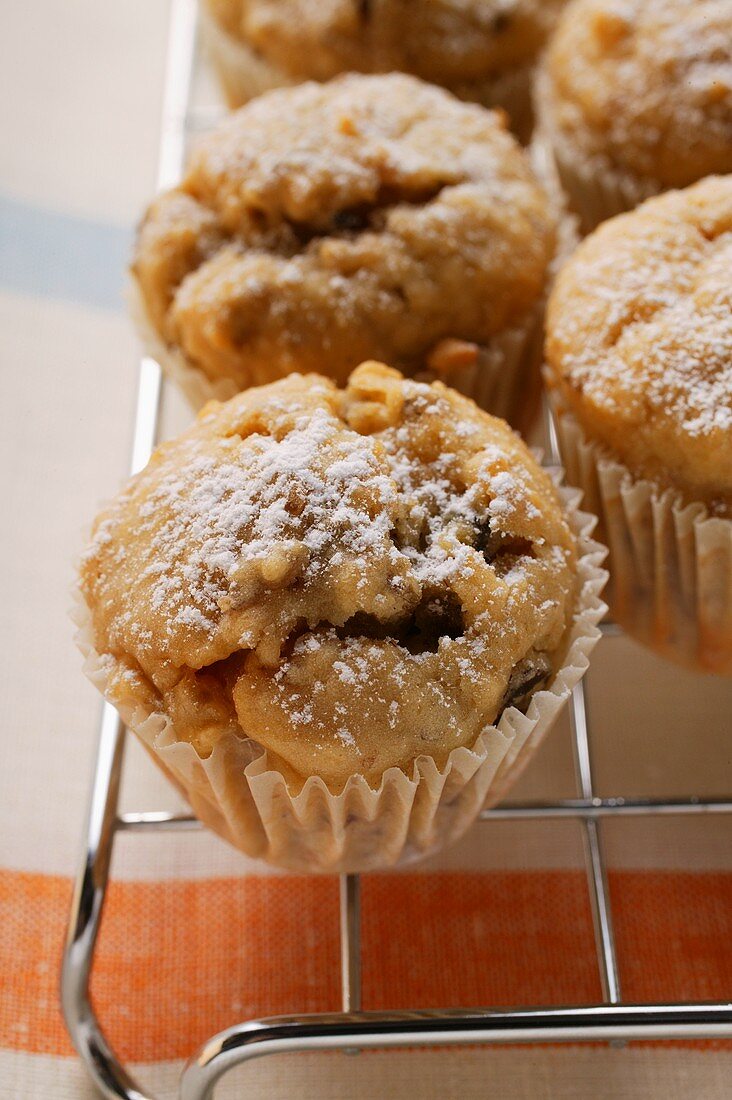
x,y
635,98
481,50
350,580
373,217
639,352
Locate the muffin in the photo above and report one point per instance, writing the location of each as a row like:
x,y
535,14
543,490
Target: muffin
x,y
639,354
340,619
635,98
373,217
481,50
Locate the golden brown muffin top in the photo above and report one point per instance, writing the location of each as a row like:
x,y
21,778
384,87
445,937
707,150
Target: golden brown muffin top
x,y
449,42
646,85
352,578
373,217
639,339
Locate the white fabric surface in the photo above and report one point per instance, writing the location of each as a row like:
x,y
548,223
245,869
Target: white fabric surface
x,y
79,118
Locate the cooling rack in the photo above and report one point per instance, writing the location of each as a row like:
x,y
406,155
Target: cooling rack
x,y
349,1029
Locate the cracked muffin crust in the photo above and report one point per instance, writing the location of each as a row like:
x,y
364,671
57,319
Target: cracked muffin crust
x,y
352,578
639,340
482,50
636,97
373,217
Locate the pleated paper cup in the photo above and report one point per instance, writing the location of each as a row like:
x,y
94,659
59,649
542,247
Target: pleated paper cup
x,y
670,561
239,794
544,167
596,189
194,384
242,72
505,379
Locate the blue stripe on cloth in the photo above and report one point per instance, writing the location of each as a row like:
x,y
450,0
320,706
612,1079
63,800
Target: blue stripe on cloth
x,y
47,254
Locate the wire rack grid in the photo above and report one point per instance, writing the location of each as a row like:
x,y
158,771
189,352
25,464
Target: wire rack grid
x,y
350,1029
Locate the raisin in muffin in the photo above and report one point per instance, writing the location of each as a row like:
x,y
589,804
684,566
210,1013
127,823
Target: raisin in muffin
x,y
635,98
321,602
373,217
639,352
482,50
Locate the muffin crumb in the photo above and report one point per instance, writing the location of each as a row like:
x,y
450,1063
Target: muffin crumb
x,y
374,217
639,340
299,564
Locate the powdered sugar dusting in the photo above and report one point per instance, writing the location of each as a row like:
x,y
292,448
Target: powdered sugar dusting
x,y
291,238
316,494
233,509
334,565
645,86
642,317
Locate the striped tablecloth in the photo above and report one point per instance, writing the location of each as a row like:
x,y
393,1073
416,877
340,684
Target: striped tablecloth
x,y
195,937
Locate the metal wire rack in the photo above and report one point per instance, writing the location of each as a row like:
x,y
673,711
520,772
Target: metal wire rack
x,y
350,1029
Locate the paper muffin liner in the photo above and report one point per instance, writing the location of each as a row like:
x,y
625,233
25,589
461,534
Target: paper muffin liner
x,y
544,168
243,798
595,188
505,380
242,72
194,384
670,562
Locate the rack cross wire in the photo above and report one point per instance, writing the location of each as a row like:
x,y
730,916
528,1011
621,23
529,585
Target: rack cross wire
x,y
350,1029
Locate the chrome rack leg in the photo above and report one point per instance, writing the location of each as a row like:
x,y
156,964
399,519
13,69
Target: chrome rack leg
x,y
596,872
350,913
370,1030
108,1075
86,914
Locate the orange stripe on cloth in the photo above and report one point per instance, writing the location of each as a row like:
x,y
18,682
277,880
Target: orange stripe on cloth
x,y
180,960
